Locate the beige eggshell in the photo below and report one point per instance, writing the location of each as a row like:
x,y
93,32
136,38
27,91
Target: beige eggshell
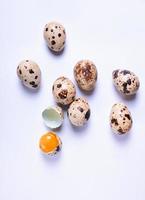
x,y
120,118
125,81
85,73
29,73
55,36
79,112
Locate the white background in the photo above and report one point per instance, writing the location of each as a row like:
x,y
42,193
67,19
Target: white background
x,y
94,163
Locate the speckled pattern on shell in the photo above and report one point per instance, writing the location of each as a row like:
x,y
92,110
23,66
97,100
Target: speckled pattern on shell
x,y
125,81
55,36
29,73
79,112
64,91
120,118
85,74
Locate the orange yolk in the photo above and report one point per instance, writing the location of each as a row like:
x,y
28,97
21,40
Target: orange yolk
x,y
49,142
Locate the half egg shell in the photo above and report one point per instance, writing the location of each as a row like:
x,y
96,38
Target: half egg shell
x,y
53,117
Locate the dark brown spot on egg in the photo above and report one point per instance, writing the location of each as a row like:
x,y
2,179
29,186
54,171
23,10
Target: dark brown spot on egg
x,y
128,116
87,115
115,74
59,35
129,81
32,83
124,72
120,130
35,86
114,121
36,77
59,85
20,72
58,149
53,42
63,94
31,71
80,109
46,29
124,85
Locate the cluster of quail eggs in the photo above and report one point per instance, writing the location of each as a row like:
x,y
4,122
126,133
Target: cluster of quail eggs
x,y
64,92
127,84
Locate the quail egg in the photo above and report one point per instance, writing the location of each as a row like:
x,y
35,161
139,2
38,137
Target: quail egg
x,y
85,73
63,91
125,81
50,143
55,36
29,73
53,116
79,112
120,118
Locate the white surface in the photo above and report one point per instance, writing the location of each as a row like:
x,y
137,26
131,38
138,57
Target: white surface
x,y
94,163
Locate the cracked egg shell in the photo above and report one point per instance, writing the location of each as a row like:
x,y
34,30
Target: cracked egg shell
x,y
55,36
53,117
125,81
85,73
50,143
29,73
64,91
120,118
79,112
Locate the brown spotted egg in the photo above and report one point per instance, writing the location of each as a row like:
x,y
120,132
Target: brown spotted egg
x,y
85,74
120,118
79,112
125,81
63,91
55,36
29,73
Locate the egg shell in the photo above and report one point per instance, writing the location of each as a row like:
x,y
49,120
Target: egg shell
x,y
63,91
125,81
53,116
50,143
55,36
120,118
85,73
79,112
29,73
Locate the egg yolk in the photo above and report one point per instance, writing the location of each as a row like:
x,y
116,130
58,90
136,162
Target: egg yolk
x,y
49,142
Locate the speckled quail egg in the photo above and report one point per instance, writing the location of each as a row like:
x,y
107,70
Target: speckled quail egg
x,y
29,73
53,116
63,91
120,118
79,112
125,81
50,143
55,36
85,74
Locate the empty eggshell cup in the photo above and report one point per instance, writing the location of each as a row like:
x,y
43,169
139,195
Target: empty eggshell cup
x,y
53,117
